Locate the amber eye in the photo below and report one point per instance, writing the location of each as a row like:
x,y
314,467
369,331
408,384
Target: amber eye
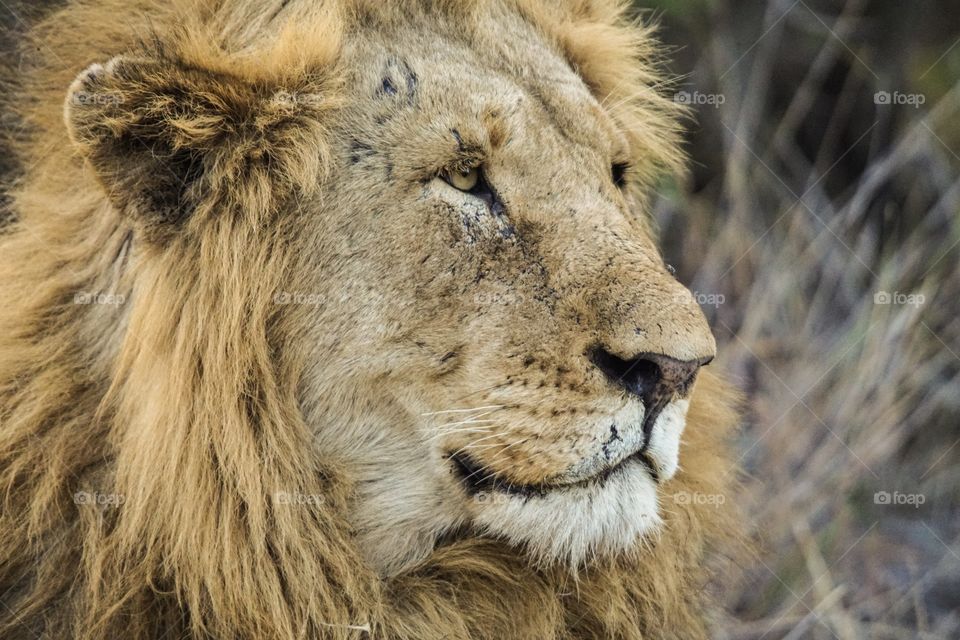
x,y
619,173
463,179
473,181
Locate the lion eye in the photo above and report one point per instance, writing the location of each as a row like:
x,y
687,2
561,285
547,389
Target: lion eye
x,y
464,180
473,181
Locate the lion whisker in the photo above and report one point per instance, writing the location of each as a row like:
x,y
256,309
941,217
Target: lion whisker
x,y
492,407
465,430
465,447
497,459
448,428
455,431
485,389
512,444
479,415
470,421
480,468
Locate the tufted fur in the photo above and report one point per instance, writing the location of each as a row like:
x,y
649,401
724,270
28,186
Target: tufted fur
x,y
211,154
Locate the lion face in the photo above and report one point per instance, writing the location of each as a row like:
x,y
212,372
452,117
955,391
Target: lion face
x,y
501,348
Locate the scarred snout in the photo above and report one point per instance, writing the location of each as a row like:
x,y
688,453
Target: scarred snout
x,y
648,312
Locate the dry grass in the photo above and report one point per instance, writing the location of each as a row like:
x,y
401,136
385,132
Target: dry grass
x,y
808,201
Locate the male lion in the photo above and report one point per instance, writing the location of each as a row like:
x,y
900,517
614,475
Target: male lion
x,y
330,319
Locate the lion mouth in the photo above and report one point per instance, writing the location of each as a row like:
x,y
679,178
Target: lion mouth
x,y
476,479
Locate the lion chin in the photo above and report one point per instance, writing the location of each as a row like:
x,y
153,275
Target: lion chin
x,y
331,316
597,517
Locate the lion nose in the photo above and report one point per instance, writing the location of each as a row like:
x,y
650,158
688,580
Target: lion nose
x,y
650,376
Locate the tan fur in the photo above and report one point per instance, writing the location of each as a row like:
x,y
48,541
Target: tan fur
x,y
196,399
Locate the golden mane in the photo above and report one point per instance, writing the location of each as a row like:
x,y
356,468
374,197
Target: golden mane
x,y
182,401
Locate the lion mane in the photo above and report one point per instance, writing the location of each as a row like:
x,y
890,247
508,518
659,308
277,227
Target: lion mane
x,y
173,412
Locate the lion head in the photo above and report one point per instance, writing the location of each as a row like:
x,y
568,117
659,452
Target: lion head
x,y
500,344
397,261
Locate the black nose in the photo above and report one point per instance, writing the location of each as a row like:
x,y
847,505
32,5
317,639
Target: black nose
x,y
651,376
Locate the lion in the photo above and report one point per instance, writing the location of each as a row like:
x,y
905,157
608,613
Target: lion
x,y
340,319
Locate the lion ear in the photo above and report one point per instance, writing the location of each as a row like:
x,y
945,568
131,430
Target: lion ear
x,y
171,143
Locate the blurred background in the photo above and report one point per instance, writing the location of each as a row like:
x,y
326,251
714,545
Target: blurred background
x,y
820,230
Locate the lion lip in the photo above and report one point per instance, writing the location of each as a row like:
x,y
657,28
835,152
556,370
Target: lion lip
x,y
477,480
